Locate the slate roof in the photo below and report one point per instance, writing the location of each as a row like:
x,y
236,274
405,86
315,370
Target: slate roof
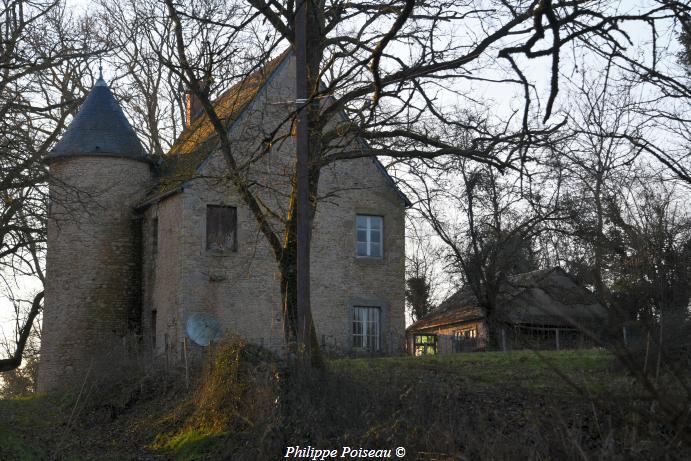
x,y
543,297
99,128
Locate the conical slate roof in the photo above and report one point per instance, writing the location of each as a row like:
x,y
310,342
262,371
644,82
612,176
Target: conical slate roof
x,y
99,128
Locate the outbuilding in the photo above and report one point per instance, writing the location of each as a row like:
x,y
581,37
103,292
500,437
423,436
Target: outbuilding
x,y
545,309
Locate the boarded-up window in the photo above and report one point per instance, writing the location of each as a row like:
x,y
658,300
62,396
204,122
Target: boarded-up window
x,y
221,228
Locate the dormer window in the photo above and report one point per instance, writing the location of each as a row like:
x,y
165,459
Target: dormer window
x,y
370,230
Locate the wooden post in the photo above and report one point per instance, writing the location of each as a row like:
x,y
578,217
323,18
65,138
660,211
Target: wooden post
x,y
647,351
556,336
187,372
302,187
503,340
626,341
659,354
165,340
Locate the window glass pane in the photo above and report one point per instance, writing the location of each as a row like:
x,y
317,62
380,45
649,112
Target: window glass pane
x,y
369,235
366,326
361,222
375,222
375,236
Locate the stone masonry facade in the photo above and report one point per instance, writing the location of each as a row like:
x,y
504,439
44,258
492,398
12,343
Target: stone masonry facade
x,y
93,283
242,288
123,264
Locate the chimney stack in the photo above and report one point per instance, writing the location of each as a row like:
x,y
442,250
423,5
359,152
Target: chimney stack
x,y
193,107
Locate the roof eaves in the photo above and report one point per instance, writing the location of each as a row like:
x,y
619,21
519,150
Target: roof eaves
x,y
419,327
157,198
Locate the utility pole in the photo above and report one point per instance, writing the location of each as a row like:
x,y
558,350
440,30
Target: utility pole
x,y
302,193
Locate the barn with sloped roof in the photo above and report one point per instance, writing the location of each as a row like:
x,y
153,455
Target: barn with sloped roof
x,y
541,309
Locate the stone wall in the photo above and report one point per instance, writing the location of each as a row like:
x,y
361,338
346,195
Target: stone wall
x,y
92,290
162,284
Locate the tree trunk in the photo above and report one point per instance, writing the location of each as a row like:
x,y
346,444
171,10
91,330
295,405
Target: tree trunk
x,y
289,296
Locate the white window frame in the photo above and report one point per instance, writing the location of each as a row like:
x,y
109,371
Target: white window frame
x,y
370,331
368,236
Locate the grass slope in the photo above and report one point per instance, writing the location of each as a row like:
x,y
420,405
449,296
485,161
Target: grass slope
x,y
555,405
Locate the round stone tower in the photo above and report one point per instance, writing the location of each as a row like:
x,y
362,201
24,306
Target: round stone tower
x,y
98,173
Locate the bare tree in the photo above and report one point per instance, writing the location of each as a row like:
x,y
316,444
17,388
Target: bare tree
x,y
423,278
356,63
487,224
44,54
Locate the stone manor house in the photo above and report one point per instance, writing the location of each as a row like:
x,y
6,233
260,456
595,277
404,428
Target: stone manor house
x,y
137,245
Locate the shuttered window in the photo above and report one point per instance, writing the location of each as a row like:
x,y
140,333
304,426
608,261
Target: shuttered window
x,y
221,228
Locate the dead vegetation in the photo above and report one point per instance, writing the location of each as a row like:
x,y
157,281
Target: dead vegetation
x,y
243,406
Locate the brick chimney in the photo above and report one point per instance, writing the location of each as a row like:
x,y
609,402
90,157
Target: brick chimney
x,y
193,107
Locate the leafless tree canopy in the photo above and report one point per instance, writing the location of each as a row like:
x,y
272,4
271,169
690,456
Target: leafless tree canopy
x,y
44,54
524,131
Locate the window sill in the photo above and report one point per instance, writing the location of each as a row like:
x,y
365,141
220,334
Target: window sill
x,y
369,260
221,253
361,351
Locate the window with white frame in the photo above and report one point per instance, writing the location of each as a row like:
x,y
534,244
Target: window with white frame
x,y
366,326
370,230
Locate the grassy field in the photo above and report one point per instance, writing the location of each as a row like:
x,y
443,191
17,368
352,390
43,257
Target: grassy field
x,y
514,405
558,371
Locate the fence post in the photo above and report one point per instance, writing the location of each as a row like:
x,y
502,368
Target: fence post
x,y
647,350
184,353
503,340
165,340
626,340
556,336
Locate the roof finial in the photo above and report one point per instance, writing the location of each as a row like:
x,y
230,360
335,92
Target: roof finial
x,y
100,81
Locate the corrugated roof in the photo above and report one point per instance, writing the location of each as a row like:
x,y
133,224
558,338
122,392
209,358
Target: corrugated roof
x,y
547,297
99,128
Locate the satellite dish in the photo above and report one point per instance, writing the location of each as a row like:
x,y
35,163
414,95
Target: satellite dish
x,y
202,328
